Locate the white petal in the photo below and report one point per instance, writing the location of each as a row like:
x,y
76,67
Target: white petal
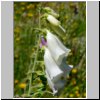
x,y
51,84
62,46
52,68
65,68
71,66
55,86
53,20
60,84
57,49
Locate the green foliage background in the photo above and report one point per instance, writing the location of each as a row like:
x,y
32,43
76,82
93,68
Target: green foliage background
x,y
34,85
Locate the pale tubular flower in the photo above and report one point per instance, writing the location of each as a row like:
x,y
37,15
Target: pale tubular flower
x,y
55,86
65,68
53,20
57,49
54,73
52,68
51,84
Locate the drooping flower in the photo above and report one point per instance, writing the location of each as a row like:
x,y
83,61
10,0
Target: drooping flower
x,y
57,49
55,62
51,84
55,86
65,67
56,74
51,67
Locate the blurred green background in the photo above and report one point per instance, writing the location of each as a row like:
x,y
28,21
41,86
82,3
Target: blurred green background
x,y
34,85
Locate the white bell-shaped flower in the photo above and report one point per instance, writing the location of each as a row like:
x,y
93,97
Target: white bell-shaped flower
x,y
65,68
52,68
51,84
56,74
55,62
57,49
55,86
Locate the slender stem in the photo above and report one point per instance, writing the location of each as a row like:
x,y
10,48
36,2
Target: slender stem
x,y
38,43
35,57
30,85
37,29
39,20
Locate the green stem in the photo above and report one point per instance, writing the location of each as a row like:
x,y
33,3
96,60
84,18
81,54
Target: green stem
x,y
37,45
37,29
35,57
30,85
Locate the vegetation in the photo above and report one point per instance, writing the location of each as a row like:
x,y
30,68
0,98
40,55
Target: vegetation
x,y
28,55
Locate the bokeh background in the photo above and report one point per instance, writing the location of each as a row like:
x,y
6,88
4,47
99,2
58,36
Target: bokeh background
x,y
27,53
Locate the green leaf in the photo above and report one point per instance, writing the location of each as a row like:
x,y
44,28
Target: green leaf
x,y
39,72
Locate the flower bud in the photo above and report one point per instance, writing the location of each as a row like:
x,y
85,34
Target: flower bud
x,y
53,21
51,12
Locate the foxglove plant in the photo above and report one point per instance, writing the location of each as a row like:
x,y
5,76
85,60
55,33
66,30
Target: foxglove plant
x,y
55,54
